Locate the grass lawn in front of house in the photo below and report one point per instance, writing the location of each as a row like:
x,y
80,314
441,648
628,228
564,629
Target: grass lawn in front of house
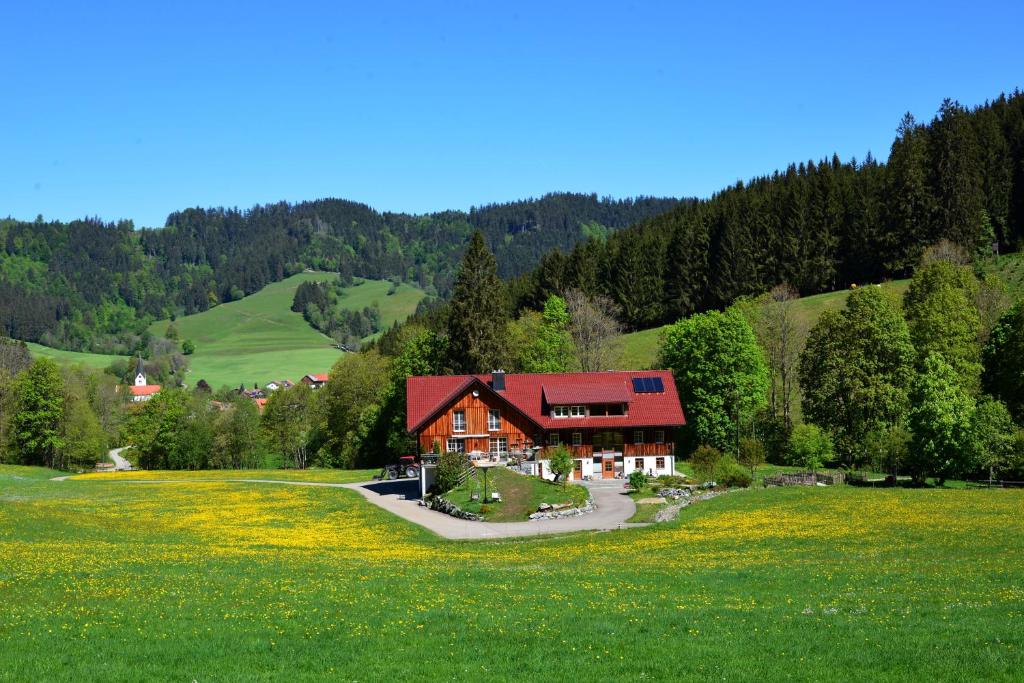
x,y
520,495
218,581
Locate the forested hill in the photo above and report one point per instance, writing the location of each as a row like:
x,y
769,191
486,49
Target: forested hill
x,y
89,285
817,225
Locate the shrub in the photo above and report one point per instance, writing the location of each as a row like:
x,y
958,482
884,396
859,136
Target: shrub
x,y
730,473
704,461
637,480
449,468
810,446
672,481
561,463
752,454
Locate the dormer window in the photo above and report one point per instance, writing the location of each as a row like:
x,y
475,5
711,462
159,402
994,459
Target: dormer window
x,y
569,411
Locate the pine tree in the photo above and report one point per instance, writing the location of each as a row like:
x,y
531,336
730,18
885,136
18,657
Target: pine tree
x,y
910,203
478,314
957,175
686,267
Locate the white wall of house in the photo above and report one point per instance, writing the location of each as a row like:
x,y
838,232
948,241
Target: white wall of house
x,y
626,465
650,464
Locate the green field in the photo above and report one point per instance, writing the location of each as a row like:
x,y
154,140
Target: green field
x,y
91,360
214,581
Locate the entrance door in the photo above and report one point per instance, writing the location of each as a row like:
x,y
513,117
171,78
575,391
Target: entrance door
x,y
608,468
577,470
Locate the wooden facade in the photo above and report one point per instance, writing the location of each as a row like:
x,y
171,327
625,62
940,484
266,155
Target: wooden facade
x,y
521,432
514,426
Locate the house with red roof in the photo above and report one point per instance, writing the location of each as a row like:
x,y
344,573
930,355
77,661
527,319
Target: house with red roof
x,y
315,381
612,422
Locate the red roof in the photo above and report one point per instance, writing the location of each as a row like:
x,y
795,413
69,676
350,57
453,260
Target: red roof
x,y
317,378
146,390
533,394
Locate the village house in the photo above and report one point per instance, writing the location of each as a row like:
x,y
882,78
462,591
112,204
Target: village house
x,y
611,422
315,381
275,384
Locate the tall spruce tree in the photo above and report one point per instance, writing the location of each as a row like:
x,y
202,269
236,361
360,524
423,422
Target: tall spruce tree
x,y
478,312
910,202
958,181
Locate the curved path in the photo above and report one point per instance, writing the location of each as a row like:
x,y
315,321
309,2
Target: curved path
x,y
612,508
115,457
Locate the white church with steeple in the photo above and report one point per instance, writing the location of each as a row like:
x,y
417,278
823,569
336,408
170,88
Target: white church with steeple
x,y
141,390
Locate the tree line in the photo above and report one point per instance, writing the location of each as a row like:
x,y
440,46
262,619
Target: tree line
x,y
818,226
928,385
95,286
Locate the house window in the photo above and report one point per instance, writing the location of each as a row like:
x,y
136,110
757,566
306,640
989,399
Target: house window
x,y
659,463
494,420
499,445
577,438
560,411
638,436
553,439
456,446
459,421
577,411
659,436
639,464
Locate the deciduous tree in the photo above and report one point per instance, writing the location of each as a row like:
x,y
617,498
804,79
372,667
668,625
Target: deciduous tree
x,y
940,417
720,374
856,369
37,433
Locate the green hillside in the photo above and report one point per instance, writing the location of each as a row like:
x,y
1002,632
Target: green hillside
x,y
92,360
259,338
640,349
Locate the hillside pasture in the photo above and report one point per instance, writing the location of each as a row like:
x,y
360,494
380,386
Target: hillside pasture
x,y
259,338
90,360
640,349
216,581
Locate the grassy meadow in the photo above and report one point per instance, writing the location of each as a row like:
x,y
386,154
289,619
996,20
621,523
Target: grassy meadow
x,y
217,581
90,360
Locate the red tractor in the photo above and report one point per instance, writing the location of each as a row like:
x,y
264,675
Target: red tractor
x,y
406,466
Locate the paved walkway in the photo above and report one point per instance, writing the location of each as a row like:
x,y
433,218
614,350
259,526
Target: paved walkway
x,y
613,509
119,462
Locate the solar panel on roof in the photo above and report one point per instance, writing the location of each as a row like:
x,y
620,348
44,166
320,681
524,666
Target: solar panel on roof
x,y
648,385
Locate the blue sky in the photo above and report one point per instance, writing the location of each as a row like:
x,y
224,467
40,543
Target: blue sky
x,y
134,110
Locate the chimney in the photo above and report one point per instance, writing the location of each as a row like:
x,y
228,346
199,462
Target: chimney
x,y
498,380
